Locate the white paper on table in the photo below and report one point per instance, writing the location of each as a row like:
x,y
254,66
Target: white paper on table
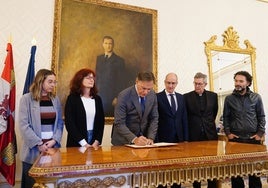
x,y
159,144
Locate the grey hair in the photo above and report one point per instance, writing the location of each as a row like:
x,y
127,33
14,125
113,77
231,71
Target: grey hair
x,y
201,75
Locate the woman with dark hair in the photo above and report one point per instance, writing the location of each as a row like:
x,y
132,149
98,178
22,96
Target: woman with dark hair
x,y
40,121
84,115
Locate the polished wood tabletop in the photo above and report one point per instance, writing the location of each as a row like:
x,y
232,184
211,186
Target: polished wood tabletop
x,y
122,159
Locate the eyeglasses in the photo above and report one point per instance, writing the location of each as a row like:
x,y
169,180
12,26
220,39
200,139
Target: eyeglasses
x,y
52,82
198,84
90,77
144,88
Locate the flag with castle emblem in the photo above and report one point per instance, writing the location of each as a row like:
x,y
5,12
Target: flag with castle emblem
x,y
7,109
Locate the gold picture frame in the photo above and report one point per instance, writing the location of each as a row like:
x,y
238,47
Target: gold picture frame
x,y
79,28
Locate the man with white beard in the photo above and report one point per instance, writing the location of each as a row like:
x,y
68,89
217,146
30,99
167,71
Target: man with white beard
x,y
244,119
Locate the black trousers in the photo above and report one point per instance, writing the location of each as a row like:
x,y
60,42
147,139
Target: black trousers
x,y
245,140
253,182
211,184
26,180
173,186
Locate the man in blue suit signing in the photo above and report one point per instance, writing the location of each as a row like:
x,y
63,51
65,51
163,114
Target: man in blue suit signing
x,y
173,125
136,114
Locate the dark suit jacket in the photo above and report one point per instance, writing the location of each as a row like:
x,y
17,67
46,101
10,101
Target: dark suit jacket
x,y
171,127
75,121
110,80
196,119
128,119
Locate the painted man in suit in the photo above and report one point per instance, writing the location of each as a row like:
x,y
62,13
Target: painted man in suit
x,y
109,75
202,109
173,124
136,114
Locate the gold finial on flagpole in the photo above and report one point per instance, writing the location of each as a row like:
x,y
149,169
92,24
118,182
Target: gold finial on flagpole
x,y
10,38
33,41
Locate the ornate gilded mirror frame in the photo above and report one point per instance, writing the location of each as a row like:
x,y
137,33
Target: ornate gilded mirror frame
x,y
230,45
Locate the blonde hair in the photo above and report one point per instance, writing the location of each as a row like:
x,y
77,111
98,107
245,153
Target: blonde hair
x,y
36,87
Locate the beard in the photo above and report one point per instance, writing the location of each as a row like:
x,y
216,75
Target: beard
x,y
240,89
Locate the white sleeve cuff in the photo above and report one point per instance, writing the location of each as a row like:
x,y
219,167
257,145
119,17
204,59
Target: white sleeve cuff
x,y
83,142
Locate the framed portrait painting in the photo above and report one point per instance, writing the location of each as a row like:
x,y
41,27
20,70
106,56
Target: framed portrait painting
x,y
80,27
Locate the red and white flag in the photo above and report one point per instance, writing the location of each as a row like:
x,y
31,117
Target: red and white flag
x,y
7,113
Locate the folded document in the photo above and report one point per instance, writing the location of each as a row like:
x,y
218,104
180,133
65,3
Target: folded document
x,y
159,144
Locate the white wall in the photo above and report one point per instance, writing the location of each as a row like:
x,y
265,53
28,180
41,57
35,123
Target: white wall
x,y
183,26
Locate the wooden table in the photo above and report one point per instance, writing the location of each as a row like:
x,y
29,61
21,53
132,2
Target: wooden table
x,y
148,167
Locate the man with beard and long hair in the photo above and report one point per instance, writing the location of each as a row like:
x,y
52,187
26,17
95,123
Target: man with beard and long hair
x,y
244,119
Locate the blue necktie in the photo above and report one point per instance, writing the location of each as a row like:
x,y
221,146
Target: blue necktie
x,y
173,104
142,104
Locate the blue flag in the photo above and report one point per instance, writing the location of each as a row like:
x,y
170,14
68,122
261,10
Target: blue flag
x,y
30,72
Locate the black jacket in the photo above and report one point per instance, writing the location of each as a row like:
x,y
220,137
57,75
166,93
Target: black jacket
x,y
196,119
171,127
76,123
243,115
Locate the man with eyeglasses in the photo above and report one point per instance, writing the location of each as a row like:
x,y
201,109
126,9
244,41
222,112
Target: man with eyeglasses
x,y
202,109
136,114
173,125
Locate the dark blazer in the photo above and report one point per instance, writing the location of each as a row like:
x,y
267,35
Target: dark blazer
x,y
110,80
196,119
128,119
75,121
171,127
